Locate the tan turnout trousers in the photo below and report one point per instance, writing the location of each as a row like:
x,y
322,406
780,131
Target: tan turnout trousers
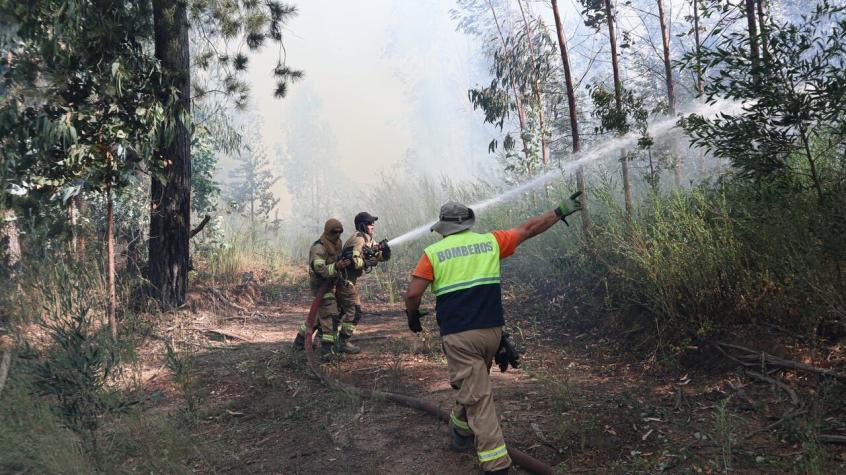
x,y
327,315
349,303
469,357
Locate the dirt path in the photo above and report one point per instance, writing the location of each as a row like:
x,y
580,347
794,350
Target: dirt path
x,y
578,403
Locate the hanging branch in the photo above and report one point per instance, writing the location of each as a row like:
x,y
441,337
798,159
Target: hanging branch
x,y
200,226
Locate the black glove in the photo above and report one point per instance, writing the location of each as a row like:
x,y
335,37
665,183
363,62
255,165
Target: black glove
x,y
414,319
507,353
386,249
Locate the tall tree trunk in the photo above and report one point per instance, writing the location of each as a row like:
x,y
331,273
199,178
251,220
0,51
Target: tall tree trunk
x,y
700,86
671,97
536,87
9,243
110,251
574,121
170,207
678,176
78,240
73,217
518,101
762,25
754,54
618,99
668,67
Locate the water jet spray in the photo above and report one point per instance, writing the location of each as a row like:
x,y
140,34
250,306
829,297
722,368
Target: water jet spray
x,y
608,148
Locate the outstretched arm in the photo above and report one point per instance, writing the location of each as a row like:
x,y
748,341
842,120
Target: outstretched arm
x,y
535,225
538,224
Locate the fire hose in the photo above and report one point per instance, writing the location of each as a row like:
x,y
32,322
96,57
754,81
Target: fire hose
x,y
521,458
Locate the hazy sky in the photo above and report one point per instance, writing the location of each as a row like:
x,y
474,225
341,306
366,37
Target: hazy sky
x,y
389,79
392,79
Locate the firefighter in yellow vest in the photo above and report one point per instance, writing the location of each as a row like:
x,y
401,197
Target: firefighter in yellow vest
x,y
323,265
463,270
365,254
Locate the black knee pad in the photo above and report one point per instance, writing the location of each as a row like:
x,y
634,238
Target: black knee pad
x,y
358,313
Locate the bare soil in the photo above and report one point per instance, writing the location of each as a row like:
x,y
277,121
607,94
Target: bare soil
x,y
580,401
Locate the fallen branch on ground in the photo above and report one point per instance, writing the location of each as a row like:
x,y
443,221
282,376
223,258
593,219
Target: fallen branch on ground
x,y
794,399
225,300
773,360
787,415
832,439
223,333
742,394
727,355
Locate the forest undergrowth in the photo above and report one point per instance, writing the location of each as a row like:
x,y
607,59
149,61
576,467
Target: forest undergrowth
x,y
693,268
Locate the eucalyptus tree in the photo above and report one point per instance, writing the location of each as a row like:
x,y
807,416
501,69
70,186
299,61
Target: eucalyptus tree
x,y
647,27
505,72
668,67
77,114
535,79
752,22
787,142
521,51
597,13
793,118
697,45
573,113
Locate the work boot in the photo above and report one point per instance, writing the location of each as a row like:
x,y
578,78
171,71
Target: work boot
x,y
458,442
299,342
329,353
326,352
347,347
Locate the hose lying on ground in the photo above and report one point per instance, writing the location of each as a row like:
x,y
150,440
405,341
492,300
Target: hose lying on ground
x,y
521,458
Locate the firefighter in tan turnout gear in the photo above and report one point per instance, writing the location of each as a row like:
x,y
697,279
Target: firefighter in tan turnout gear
x,y
463,270
323,265
365,254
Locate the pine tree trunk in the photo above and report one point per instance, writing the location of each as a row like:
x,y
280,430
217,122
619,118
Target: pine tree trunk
x,y
518,101
700,86
618,99
574,121
170,207
668,67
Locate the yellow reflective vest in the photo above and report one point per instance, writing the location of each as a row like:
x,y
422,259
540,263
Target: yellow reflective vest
x,y
466,282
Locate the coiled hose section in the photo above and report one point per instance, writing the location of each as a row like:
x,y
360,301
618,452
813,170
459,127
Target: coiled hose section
x,y
521,458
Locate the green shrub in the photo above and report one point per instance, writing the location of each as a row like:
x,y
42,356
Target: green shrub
x,y
33,439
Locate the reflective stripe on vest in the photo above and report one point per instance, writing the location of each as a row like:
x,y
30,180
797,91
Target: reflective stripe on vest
x,y
462,261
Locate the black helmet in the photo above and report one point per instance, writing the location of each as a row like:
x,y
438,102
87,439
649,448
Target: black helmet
x,y
363,219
